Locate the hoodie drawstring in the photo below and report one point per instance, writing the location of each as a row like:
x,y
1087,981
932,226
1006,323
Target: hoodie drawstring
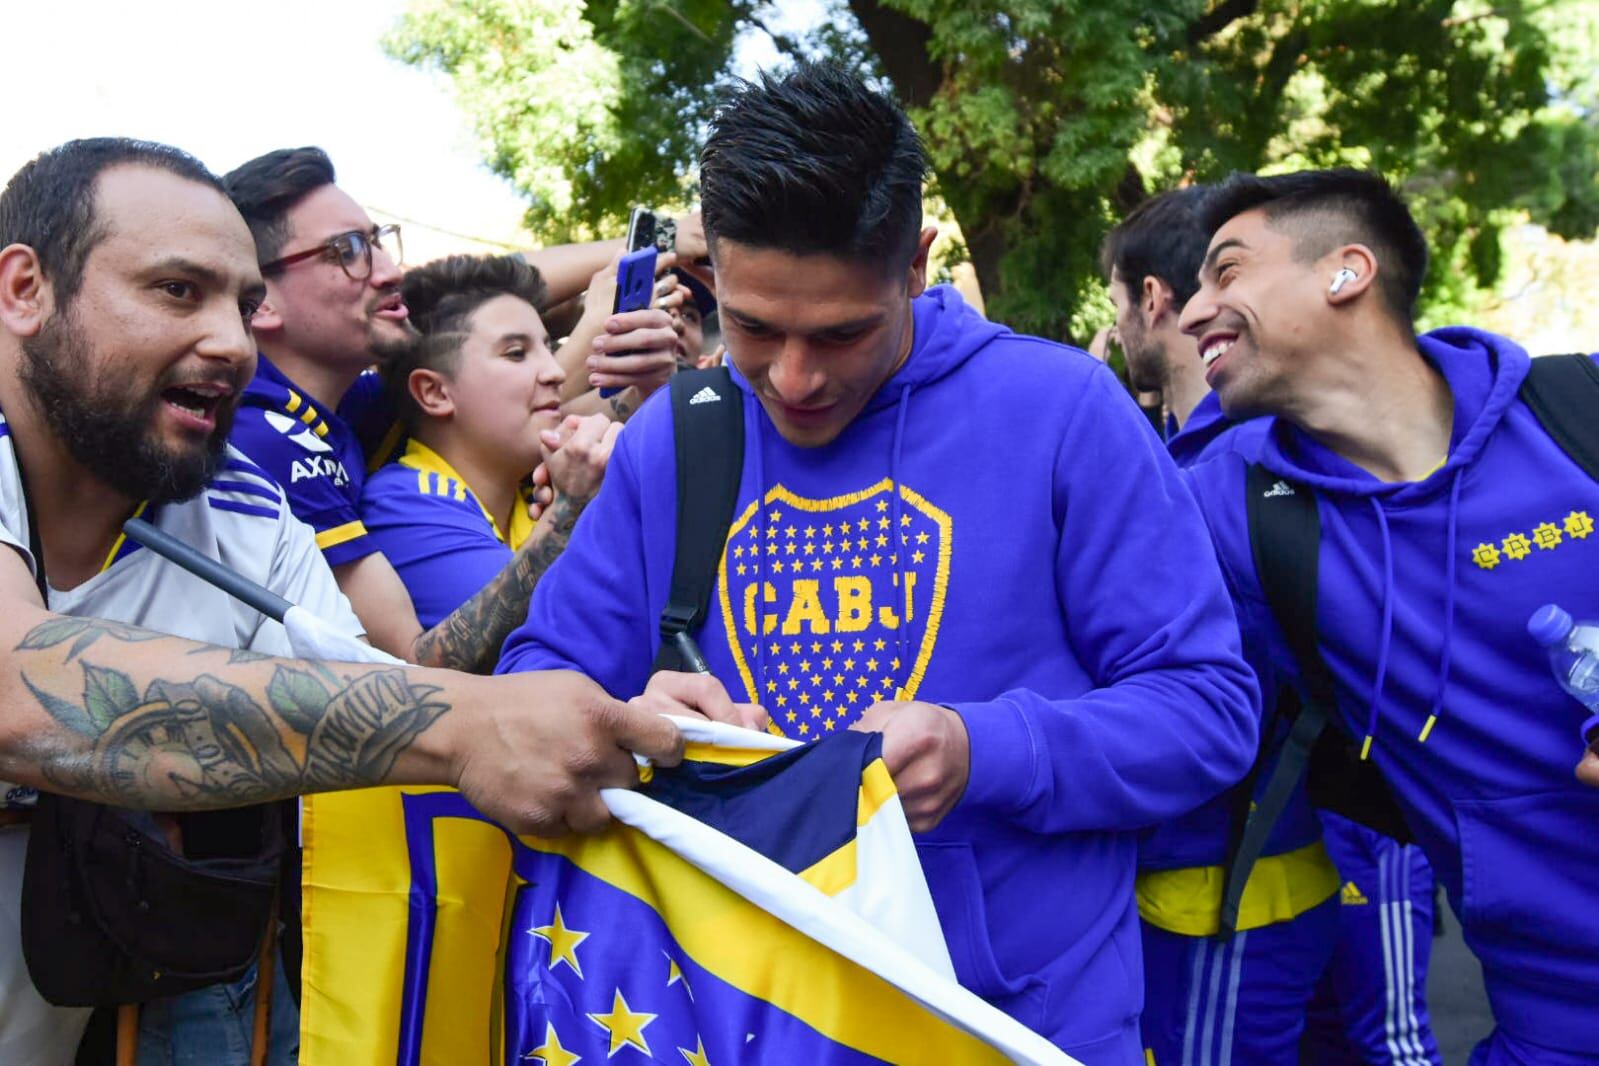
x,y
1386,638
1449,608
896,551
1385,641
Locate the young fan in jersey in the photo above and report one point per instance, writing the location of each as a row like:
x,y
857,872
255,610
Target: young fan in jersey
x,y
480,395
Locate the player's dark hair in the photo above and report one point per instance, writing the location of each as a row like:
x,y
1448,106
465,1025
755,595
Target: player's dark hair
x,y
49,205
266,189
1161,237
814,162
1323,209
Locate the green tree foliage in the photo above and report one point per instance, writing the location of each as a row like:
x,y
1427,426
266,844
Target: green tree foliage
x,y
1047,119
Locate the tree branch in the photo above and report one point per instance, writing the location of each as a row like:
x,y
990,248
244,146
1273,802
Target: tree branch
x,y
785,44
1219,18
901,44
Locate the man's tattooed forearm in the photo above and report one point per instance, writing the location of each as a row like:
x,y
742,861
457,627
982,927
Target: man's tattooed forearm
x,y
622,405
208,742
470,639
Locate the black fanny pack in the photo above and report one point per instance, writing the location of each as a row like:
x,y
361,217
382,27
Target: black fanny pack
x,y
112,915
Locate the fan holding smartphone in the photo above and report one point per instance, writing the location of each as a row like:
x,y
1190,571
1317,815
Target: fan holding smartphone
x,y
635,282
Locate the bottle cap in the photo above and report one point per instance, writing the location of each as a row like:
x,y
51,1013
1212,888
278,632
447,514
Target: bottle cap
x,y
1549,625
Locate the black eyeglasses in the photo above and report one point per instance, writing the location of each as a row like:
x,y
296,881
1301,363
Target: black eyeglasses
x,y
352,251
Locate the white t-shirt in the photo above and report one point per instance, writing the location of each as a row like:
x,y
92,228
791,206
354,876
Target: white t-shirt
x,y
240,520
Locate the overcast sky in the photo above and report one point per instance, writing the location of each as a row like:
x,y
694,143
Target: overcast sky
x,y
228,80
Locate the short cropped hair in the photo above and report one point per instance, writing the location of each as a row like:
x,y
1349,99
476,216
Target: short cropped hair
x,y
1327,208
266,189
1161,237
442,297
49,205
814,162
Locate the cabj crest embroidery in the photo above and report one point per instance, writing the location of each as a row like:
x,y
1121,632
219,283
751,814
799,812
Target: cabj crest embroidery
x,y
833,605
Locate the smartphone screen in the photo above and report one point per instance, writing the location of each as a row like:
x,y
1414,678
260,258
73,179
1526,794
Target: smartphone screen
x,y
641,229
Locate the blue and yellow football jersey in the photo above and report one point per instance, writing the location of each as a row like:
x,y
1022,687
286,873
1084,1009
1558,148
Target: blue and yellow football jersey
x,y
312,453
445,546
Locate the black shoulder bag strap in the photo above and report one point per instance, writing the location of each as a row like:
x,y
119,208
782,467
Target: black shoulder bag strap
x,y
708,428
1563,392
1285,537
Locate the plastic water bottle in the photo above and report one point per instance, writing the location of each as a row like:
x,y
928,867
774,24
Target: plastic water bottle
x,y
1573,649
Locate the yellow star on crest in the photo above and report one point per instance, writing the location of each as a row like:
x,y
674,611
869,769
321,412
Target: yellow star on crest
x,y
563,942
697,1056
1579,524
624,1025
1486,556
551,1053
882,505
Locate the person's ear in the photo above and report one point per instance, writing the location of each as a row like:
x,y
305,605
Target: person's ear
x,y
1155,298
918,268
1355,272
26,297
430,391
267,317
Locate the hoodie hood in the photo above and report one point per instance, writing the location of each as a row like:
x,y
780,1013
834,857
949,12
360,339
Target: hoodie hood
x,y
1483,372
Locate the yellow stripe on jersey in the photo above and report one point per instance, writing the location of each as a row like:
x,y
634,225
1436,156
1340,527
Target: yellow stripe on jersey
x,y
329,538
308,416
386,447
436,477
1280,888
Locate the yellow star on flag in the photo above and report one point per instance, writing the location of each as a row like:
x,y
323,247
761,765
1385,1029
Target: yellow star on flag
x,y
697,1056
624,1025
674,973
551,1053
563,942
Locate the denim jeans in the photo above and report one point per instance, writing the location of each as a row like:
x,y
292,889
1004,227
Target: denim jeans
x,y
213,1026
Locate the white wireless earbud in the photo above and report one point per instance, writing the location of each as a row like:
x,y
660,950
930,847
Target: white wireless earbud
x,y
1340,279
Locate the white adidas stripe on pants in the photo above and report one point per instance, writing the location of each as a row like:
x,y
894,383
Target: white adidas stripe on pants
x,y
1399,959
1213,1000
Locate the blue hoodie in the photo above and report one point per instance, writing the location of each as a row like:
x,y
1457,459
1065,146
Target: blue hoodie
x,y
1425,591
1097,670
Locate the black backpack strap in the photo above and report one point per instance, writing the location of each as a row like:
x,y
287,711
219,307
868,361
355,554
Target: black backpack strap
x,y
708,428
1285,536
1563,392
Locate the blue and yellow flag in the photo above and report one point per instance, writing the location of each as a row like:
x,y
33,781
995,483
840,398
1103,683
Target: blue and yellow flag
x,y
735,912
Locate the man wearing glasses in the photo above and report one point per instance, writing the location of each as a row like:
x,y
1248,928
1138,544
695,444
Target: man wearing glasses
x,y
333,309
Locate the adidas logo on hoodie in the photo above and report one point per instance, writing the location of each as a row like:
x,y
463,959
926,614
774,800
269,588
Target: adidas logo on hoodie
x,y
1350,896
1281,488
705,395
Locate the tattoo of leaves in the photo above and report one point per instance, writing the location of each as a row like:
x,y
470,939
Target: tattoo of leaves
x,y
63,711
298,697
86,630
107,694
